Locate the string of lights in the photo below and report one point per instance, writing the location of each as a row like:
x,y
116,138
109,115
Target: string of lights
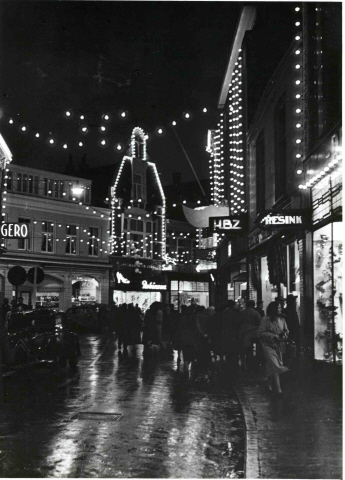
x,y
85,127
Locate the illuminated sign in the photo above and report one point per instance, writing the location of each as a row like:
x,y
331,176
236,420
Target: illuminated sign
x,y
232,224
291,219
121,279
152,286
14,230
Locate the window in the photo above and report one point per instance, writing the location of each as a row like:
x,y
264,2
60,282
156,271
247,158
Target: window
x,y
24,243
19,182
47,237
71,239
8,180
148,227
136,244
260,172
280,147
48,187
137,192
93,241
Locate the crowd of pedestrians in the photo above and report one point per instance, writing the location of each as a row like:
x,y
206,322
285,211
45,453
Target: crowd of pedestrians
x,y
242,336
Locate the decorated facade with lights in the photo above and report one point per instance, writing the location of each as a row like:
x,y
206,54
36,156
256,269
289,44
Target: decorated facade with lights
x,y
138,210
294,163
68,238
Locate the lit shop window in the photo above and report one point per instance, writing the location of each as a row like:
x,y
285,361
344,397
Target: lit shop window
x,y
71,239
93,241
47,244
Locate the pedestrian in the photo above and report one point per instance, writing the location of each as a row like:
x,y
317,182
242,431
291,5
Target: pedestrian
x,y
21,305
203,319
189,337
260,308
272,333
248,332
121,327
293,324
167,328
229,345
152,336
134,326
176,331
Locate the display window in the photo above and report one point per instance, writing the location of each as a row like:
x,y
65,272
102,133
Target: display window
x,y
189,293
85,290
269,292
142,299
47,299
328,296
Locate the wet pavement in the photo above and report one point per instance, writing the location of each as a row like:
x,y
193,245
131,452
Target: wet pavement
x,y
300,434
172,424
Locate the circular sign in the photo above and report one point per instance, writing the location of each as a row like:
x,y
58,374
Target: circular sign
x,y
16,276
39,275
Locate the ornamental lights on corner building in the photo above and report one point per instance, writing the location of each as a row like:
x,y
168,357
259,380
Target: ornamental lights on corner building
x,y
137,196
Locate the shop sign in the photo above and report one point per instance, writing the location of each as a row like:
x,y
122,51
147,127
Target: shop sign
x,y
232,224
121,279
152,286
204,253
284,219
14,230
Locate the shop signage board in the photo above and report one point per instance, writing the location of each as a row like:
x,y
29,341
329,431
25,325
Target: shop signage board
x,y
14,230
233,224
150,284
284,219
205,253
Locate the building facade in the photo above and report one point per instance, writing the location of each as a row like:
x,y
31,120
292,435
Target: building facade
x,y
69,239
138,228
292,155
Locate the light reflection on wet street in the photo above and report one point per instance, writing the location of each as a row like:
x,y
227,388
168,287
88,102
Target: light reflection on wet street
x,y
172,425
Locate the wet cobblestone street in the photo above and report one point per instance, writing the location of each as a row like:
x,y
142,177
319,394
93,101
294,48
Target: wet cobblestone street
x,y
172,424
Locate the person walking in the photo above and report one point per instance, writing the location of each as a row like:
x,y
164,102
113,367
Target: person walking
x,y
292,321
248,332
260,308
176,331
272,333
229,348
188,335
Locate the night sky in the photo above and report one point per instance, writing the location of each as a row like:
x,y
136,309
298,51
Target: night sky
x,y
155,60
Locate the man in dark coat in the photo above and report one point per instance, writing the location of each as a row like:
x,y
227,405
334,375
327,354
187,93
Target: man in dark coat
x,y
292,320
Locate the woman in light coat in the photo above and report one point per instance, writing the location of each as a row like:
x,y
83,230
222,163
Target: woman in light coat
x,y
273,332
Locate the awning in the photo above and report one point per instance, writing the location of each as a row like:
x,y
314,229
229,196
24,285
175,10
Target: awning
x,y
199,217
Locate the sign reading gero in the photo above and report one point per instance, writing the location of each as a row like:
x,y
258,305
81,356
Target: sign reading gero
x,y
14,230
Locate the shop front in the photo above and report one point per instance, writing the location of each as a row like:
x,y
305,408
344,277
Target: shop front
x,y
133,283
190,289
85,289
327,254
275,256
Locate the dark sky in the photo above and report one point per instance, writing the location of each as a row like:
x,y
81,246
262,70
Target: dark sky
x,y
152,59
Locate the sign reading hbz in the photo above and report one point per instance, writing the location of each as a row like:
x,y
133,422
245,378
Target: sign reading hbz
x,y
233,224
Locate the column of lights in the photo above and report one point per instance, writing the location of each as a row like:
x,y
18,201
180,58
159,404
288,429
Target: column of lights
x,y
236,138
297,68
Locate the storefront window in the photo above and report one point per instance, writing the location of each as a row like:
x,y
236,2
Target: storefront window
x,y
143,299
269,291
189,293
85,290
293,272
328,302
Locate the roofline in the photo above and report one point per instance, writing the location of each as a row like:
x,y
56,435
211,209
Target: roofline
x,y
246,22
